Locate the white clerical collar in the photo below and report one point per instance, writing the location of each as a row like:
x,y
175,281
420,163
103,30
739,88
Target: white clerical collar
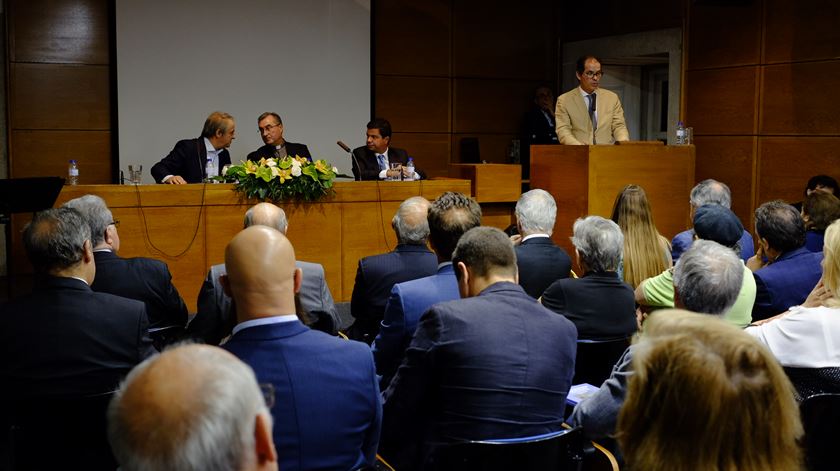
x,y
534,236
264,321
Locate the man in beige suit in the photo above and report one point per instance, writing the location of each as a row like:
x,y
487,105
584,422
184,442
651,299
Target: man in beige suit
x,y
579,108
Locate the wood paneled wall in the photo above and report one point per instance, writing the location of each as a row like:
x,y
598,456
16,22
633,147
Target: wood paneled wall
x,y
761,91
446,69
59,105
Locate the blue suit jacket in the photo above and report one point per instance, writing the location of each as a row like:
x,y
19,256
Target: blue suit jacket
x,y
786,282
408,301
541,262
497,365
327,409
377,274
683,240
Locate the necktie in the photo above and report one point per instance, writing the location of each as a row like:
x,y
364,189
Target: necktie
x,y
592,117
383,164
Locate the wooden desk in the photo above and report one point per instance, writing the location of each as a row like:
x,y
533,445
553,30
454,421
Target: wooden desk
x,y
188,226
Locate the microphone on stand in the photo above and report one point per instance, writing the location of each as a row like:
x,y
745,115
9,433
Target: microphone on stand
x,y
352,156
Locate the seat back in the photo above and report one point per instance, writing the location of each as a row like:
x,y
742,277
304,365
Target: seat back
x,y
555,451
820,416
596,358
56,433
810,381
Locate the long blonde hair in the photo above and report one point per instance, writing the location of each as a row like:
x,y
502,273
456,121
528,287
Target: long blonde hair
x,y
831,263
646,252
704,395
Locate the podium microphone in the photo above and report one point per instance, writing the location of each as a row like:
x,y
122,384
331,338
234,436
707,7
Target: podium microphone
x,y
352,156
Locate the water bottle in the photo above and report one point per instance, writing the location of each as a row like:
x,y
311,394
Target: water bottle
x,y
72,173
410,169
680,133
210,169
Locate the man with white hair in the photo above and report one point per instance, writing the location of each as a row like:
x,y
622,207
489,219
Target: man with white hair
x,y
709,191
191,408
707,280
540,261
216,317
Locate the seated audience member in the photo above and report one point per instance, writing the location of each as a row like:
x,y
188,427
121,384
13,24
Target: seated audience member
x,y
707,280
372,161
784,270
270,127
704,395
716,223
143,279
819,210
646,252
450,216
709,192
225,424
599,303
819,183
327,409
216,313
540,261
808,336
65,339
495,364
377,274
188,161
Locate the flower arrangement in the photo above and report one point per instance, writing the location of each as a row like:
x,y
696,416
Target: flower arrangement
x,y
283,178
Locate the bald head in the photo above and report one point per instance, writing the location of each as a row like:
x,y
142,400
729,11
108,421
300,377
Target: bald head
x,y
261,273
204,406
267,214
410,223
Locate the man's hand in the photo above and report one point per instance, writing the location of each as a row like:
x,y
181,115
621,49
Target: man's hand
x,y
757,262
394,172
516,239
175,180
818,295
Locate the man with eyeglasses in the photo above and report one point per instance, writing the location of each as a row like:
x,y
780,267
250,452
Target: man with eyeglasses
x,y
193,160
588,114
270,127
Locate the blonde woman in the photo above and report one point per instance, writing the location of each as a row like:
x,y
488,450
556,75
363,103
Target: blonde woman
x,y
646,252
706,396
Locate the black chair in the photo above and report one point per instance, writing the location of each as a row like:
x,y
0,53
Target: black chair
x,y
810,381
820,416
555,451
56,433
596,358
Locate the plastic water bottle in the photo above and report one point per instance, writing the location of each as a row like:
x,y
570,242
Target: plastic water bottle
x,y
410,169
680,133
72,173
210,169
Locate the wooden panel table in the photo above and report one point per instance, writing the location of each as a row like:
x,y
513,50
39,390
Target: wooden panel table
x,y
188,226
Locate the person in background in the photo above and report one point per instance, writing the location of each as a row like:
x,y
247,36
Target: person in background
x,y
188,161
538,126
819,210
646,252
270,127
704,395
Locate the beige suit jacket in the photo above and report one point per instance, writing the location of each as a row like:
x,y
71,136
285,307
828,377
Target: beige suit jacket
x,y
574,125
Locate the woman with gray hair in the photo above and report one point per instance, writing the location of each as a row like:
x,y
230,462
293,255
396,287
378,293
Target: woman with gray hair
x,y
599,303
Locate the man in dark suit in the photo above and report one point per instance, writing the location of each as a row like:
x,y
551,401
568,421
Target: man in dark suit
x,y
271,131
538,126
216,315
372,162
450,216
192,159
493,365
65,339
143,279
327,409
377,274
540,261
785,270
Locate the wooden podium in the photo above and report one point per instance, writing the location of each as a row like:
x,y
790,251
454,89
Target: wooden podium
x,y
496,187
585,180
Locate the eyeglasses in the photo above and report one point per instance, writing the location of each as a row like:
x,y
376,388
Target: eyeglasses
x,y
115,223
591,74
268,128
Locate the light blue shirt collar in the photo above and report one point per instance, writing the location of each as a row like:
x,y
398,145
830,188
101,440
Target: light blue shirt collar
x,y
264,321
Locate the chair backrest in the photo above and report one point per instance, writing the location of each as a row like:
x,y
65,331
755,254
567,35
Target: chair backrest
x,y
596,358
555,451
820,416
56,433
810,381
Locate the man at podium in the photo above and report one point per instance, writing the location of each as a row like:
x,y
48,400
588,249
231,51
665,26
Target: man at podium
x,y
588,114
